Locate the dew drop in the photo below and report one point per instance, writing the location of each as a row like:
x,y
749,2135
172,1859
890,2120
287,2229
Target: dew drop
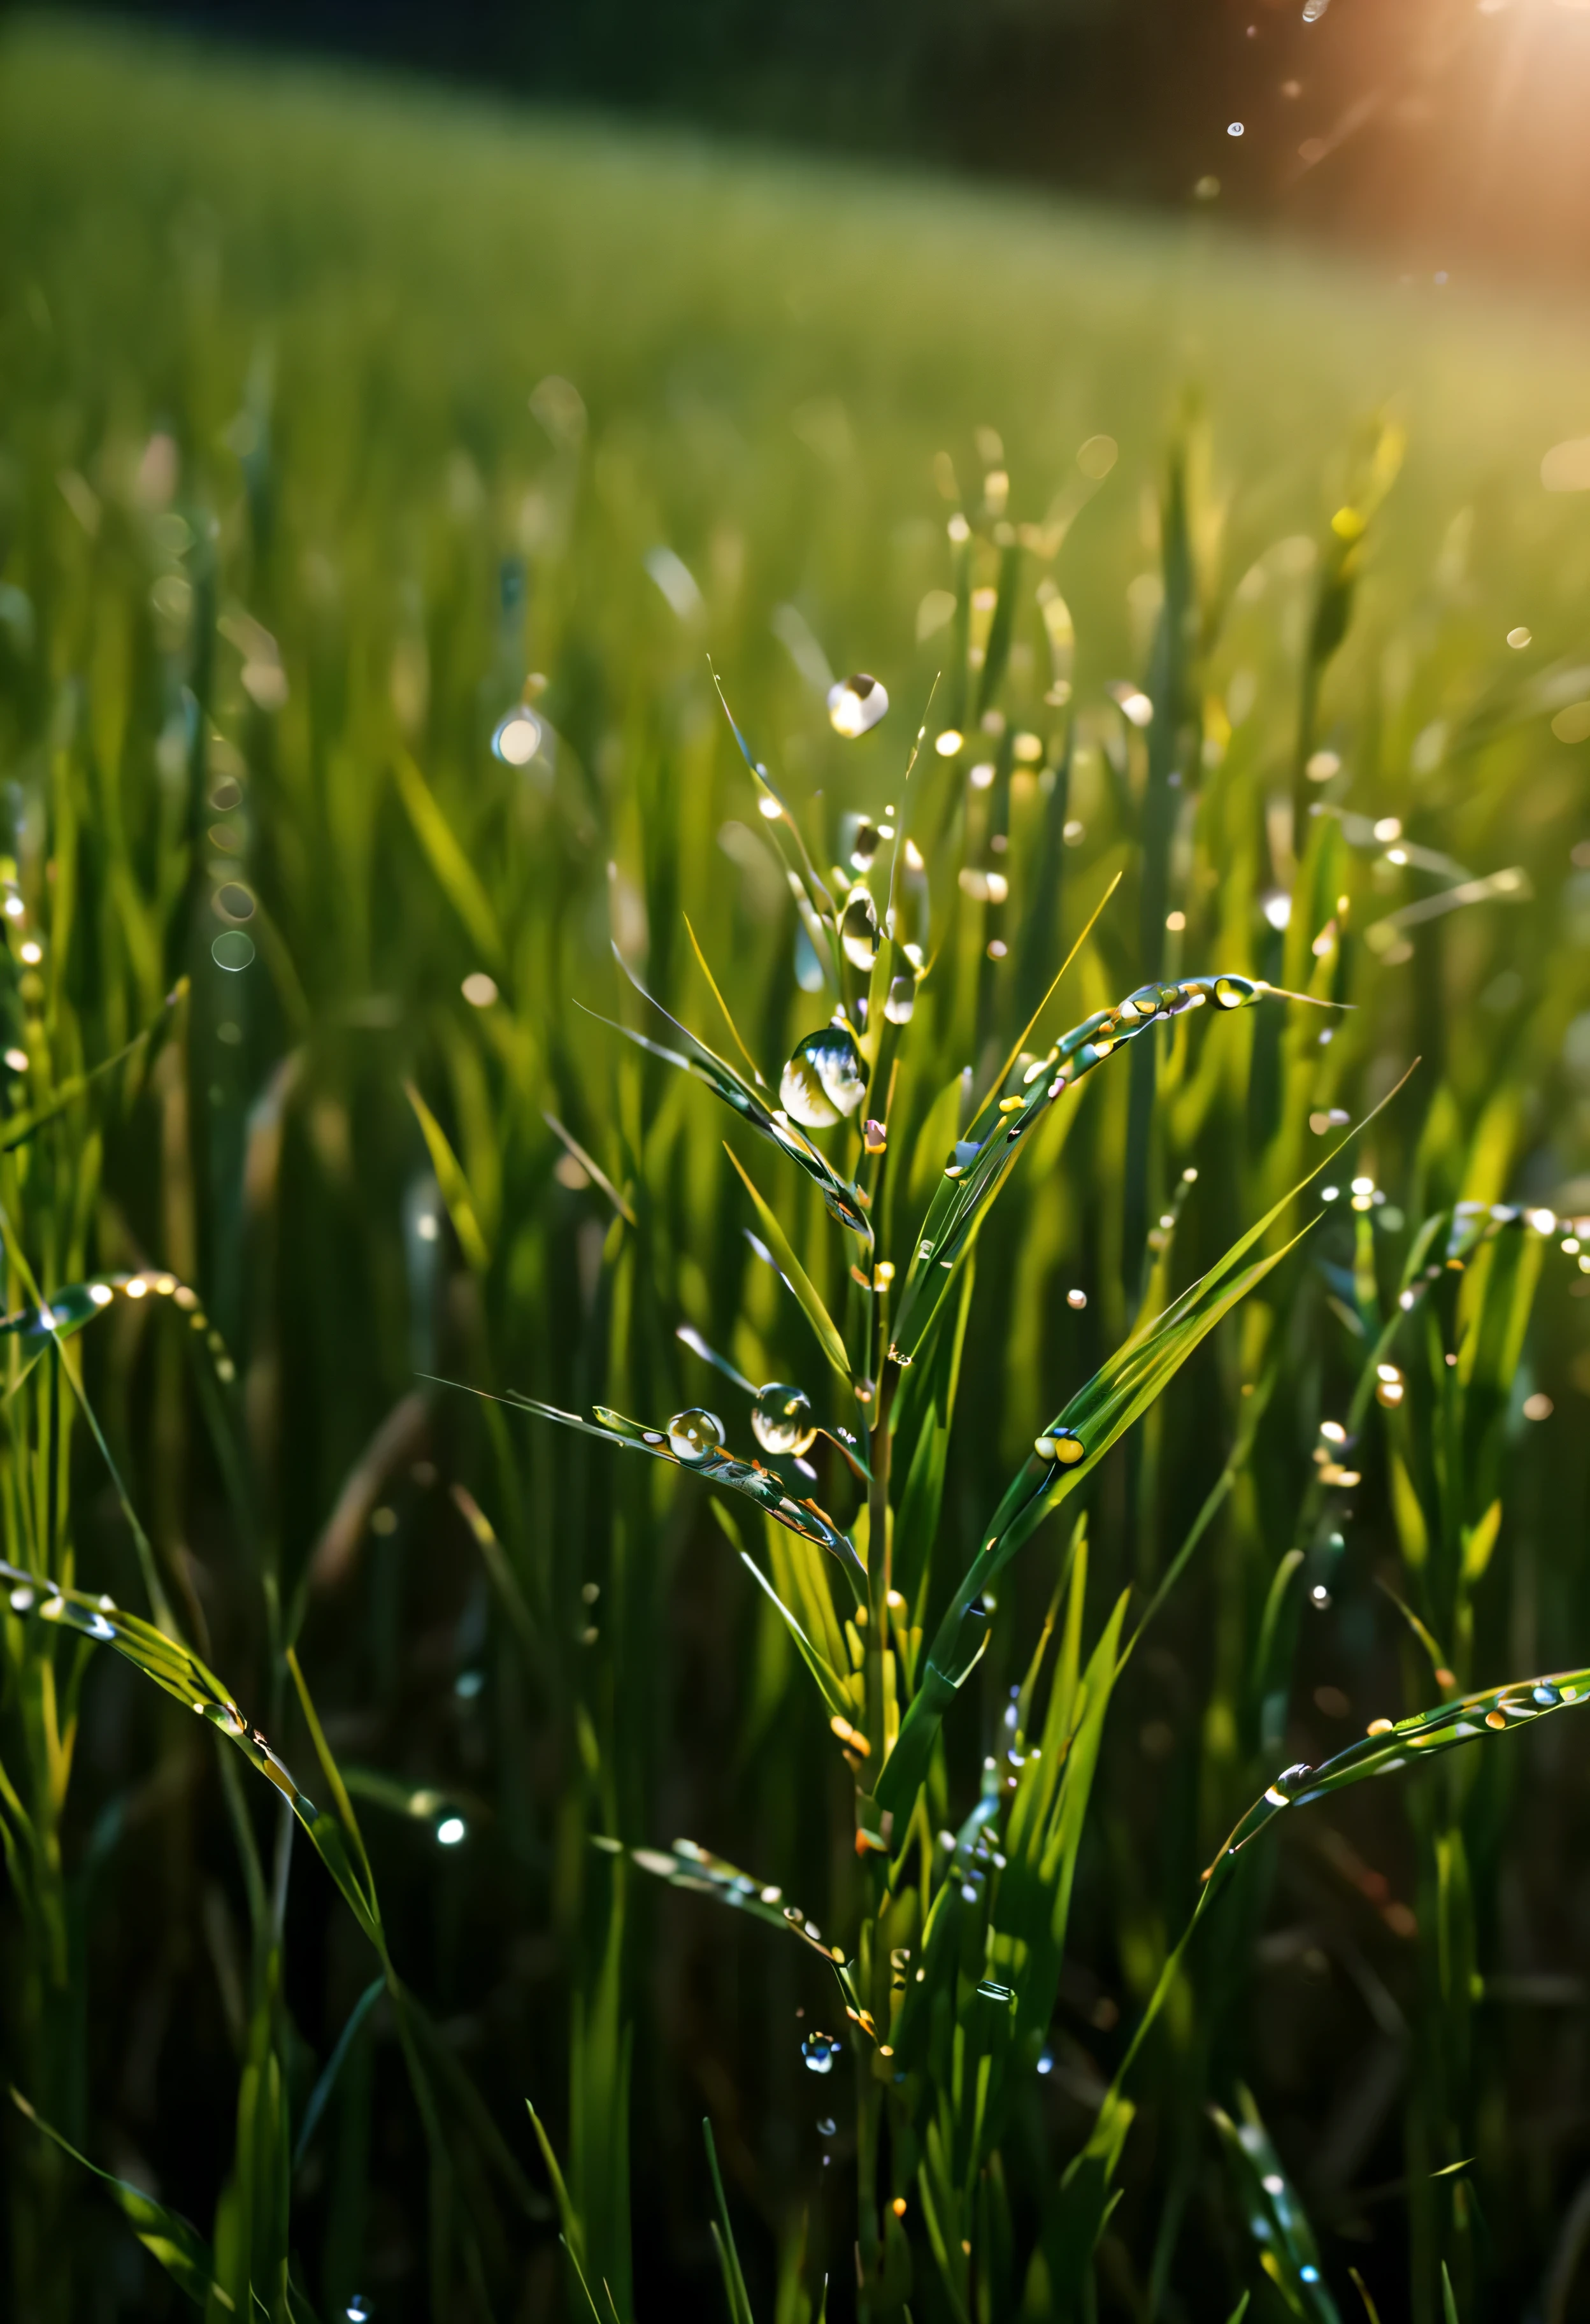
x,y
856,704
858,929
694,1434
781,1419
1060,1446
517,737
22,1601
824,1079
820,2051
826,2126
900,1000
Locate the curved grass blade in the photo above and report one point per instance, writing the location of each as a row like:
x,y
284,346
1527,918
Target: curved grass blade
x,y
798,1280
334,2065
821,901
700,959
981,1161
180,1673
1275,2218
181,2249
736,1092
1389,1747
751,1477
453,1183
687,1866
1096,1417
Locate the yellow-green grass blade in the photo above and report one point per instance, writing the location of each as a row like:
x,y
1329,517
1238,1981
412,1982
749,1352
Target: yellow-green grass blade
x,y
796,1276
456,874
455,1185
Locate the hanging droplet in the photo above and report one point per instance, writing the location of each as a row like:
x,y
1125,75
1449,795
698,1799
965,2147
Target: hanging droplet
x,y
900,1001
865,843
781,1419
855,704
517,736
1232,991
692,1434
820,2051
1390,1386
1061,1445
824,1080
858,929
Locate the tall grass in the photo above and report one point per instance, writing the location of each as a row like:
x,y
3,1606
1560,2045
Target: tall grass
x,y
342,428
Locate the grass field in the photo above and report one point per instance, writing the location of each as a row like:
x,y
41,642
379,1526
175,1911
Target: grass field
x,y
339,420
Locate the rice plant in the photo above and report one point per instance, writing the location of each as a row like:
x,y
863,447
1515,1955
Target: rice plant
x,y
579,1188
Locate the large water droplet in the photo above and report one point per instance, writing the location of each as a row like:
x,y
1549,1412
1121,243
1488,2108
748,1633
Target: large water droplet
x,y
781,1419
820,2051
900,1000
858,929
692,1434
517,736
856,704
824,1079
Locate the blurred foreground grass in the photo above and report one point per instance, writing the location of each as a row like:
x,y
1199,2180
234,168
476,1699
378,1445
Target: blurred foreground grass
x,y
333,415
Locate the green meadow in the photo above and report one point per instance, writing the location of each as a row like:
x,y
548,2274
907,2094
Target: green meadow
x,y
1087,1166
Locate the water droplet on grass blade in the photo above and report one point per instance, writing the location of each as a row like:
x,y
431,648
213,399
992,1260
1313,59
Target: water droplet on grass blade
x,y
694,1434
233,949
824,1080
992,1990
820,2051
1060,1446
856,704
858,929
781,1419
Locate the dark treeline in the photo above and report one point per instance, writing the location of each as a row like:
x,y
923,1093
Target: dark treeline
x,y
1442,132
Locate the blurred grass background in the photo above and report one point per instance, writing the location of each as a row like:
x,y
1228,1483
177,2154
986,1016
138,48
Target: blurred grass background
x,y
331,411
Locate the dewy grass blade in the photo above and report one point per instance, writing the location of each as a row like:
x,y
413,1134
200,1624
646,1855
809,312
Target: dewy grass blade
x,y
979,1164
1276,2219
752,1478
705,1065
1067,1452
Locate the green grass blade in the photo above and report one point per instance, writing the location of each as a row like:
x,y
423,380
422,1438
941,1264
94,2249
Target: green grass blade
x,y
181,2249
751,1477
798,1280
1275,2218
327,2083
739,2298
